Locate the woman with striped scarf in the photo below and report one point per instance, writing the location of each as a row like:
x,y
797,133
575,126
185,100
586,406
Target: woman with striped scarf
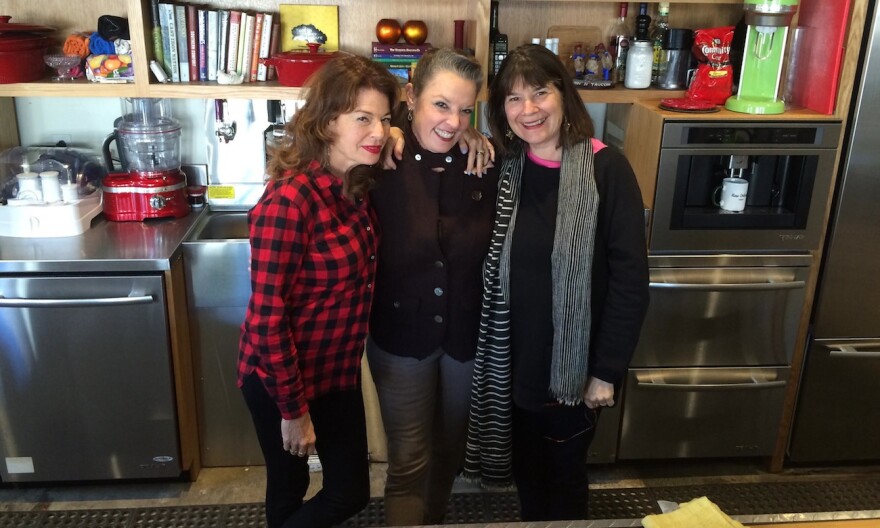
x,y
565,290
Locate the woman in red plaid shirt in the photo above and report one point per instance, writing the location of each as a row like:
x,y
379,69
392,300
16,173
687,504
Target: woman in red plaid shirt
x,y
313,246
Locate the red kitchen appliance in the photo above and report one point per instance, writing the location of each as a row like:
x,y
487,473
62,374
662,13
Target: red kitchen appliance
x,y
151,184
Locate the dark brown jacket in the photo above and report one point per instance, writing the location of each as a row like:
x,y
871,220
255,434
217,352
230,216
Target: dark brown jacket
x,y
435,233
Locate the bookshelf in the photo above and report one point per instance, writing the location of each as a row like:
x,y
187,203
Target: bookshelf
x,y
357,21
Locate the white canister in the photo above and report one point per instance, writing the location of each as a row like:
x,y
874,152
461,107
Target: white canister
x,y
29,186
638,65
51,186
70,192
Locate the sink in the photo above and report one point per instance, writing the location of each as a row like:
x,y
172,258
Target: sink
x,y
222,226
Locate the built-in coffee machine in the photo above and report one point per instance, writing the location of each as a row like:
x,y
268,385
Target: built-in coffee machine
x,y
780,173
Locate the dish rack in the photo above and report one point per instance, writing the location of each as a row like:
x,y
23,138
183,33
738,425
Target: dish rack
x,y
43,220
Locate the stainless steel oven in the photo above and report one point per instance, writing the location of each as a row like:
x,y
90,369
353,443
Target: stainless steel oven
x,y
788,167
708,378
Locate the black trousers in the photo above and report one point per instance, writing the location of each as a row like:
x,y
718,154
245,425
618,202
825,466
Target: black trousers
x,y
341,432
550,461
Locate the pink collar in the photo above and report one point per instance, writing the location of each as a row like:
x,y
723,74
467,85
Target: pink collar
x,y
550,164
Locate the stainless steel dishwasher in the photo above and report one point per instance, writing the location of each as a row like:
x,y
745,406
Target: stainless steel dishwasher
x,y
86,379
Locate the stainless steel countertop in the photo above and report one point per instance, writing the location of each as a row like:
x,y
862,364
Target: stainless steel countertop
x,y
108,246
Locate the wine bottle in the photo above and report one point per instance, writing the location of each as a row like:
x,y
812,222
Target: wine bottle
x,y
643,22
658,38
618,43
497,42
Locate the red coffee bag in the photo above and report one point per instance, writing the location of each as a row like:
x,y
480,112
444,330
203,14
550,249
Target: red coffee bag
x,y
713,81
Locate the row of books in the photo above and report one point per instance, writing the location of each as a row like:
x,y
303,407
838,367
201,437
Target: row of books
x,y
194,43
399,58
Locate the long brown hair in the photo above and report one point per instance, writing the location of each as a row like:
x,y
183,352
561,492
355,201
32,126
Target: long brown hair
x,y
332,91
536,66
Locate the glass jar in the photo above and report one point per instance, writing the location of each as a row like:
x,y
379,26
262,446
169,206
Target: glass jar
x,y
638,65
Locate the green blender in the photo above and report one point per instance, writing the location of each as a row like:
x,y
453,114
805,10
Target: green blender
x,y
767,24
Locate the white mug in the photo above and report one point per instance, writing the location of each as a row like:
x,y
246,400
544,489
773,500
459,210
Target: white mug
x,y
733,194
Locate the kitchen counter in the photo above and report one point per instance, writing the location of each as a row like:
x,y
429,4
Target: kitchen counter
x,y
106,247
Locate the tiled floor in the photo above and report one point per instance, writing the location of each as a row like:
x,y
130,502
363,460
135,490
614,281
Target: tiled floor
x,y
245,484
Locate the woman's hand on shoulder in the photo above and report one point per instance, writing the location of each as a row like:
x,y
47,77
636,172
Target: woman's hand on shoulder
x,y
481,153
393,148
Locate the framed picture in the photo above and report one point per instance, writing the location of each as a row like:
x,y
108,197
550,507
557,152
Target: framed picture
x,y
301,24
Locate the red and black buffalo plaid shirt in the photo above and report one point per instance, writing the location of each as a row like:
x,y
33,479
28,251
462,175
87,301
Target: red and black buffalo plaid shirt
x,y
312,270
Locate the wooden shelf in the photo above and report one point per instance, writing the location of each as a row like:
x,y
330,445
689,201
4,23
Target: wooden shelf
x,y
77,88
793,114
619,94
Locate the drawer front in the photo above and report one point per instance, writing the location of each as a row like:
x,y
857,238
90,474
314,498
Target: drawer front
x,y
716,317
705,412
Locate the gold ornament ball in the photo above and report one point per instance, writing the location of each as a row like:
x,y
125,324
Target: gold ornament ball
x,y
415,32
388,31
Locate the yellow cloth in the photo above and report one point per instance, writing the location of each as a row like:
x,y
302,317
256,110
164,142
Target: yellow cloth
x,y
698,513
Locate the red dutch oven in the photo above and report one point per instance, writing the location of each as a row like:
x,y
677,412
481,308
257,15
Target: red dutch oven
x,y
294,67
22,47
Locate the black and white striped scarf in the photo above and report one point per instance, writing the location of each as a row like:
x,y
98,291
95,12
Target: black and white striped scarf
x,y
488,457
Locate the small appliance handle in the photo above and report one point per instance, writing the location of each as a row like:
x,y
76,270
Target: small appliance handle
x,y
105,149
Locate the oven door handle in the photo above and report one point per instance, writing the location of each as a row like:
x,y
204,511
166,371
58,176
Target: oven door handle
x,y
747,286
65,303
652,381
850,352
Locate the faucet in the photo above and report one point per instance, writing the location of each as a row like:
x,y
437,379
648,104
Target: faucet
x,y
224,130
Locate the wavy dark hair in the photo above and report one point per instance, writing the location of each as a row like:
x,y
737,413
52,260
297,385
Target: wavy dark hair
x,y
536,66
332,91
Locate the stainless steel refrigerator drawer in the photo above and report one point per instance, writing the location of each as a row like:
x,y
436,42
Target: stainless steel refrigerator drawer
x,y
721,316
837,416
702,412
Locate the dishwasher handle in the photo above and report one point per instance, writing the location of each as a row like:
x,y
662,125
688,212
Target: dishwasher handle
x,y
66,303
654,383
748,286
850,352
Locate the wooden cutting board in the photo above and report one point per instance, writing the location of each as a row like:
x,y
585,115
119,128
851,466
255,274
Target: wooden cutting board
x,y
586,36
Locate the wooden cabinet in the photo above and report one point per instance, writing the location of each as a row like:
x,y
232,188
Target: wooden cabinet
x,y
520,19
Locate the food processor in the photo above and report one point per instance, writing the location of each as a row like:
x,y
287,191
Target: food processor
x,y
150,184
767,24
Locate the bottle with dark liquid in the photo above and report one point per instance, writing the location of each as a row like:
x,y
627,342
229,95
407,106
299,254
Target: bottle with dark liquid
x,y
497,42
643,22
